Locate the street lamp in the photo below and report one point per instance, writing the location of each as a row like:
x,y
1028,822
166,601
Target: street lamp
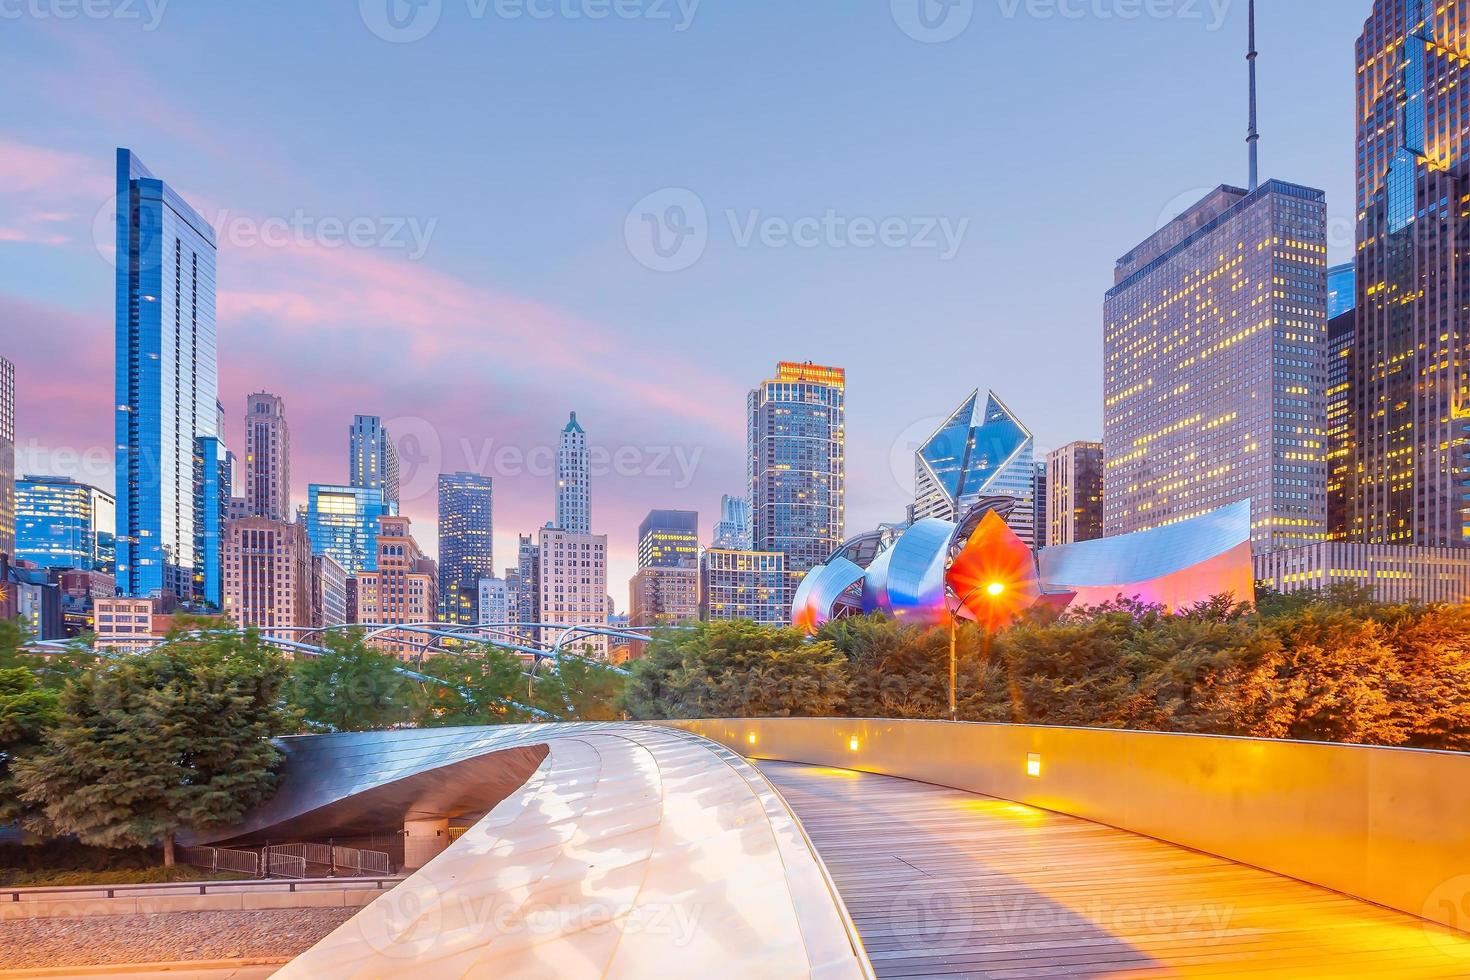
x,y
992,589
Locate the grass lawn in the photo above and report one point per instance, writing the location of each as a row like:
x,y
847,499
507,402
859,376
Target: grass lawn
x,y
11,878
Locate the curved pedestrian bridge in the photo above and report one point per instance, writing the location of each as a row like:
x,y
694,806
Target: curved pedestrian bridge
x,y
839,848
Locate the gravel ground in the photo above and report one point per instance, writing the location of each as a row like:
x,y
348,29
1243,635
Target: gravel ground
x,y
169,937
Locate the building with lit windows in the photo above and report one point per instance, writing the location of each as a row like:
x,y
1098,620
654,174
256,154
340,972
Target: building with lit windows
x,y
669,539
268,575
982,450
343,522
750,585
466,542
663,596
1215,368
7,457
572,576
523,586
166,379
1341,426
796,465
1395,573
1074,487
573,480
267,458
493,604
1411,408
60,523
372,459
732,531
402,590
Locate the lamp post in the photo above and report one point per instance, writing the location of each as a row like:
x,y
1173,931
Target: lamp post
x,y
992,589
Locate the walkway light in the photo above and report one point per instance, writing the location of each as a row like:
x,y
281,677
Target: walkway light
x,y
750,738
852,743
1033,764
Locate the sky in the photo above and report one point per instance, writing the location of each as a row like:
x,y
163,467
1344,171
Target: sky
x,y
472,217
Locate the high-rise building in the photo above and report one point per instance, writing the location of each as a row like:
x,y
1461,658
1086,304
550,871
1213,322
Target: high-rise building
x,y
1342,286
372,459
1394,573
329,591
982,450
1074,486
1215,368
1410,418
7,457
573,480
523,583
494,601
1341,431
662,596
268,580
267,458
403,590
744,585
166,379
466,541
343,522
732,531
60,523
212,477
796,465
669,539
573,583
1039,500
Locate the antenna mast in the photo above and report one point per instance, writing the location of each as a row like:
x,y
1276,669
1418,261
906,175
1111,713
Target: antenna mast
x,y
1253,139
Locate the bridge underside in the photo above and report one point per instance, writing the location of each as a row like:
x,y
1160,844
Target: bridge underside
x,y
943,883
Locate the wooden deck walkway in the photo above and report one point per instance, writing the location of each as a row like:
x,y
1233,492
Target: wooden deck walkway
x,y
943,883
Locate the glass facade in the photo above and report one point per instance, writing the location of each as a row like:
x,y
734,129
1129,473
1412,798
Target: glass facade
x,y
212,503
166,379
732,532
342,523
796,465
744,585
61,523
372,459
669,539
466,542
981,451
1342,285
7,457
1215,368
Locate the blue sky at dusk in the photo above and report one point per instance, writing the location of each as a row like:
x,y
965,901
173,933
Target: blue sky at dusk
x,y
934,217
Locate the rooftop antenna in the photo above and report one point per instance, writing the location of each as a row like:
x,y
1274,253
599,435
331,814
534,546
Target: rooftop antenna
x,y
1253,139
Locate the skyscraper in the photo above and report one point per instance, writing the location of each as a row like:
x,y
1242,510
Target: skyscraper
x,y
665,589
796,465
372,459
267,458
1215,351
732,530
166,378
401,591
1410,455
61,523
7,457
343,522
212,477
669,539
573,490
1341,421
744,585
1074,487
982,450
466,540
268,575
573,581
1342,289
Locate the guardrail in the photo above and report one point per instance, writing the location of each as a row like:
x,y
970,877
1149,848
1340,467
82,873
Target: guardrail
x,y
197,887
222,859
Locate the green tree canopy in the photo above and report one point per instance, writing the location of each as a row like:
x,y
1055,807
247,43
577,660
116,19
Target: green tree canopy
x,y
351,687
145,746
483,687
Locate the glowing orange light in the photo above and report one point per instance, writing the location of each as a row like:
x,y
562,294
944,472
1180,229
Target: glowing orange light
x,y
994,576
1033,764
995,588
750,738
852,743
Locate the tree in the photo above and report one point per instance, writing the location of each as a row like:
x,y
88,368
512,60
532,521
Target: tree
x,y
734,670
27,712
350,687
482,687
580,689
178,738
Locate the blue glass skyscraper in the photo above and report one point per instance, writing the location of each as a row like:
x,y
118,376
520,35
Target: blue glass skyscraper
x,y
166,379
342,522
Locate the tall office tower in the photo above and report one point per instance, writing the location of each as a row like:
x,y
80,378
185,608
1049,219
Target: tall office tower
x,y
7,457
1342,289
1411,350
981,451
372,459
402,591
524,584
60,523
166,379
493,605
796,465
1215,368
268,581
573,583
669,539
267,458
343,522
212,465
1341,339
573,487
1039,500
743,585
466,541
328,590
1074,487
732,530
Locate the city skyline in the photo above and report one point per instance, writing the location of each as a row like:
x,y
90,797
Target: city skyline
x,y
314,301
